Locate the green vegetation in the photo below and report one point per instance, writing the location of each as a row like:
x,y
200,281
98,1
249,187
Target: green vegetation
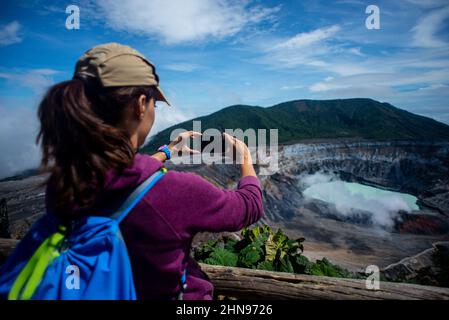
x,y
262,248
315,119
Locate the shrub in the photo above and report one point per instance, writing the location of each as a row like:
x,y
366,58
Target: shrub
x,y
262,248
222,257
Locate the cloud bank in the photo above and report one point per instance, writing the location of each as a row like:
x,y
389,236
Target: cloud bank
x,y
18,130
38,80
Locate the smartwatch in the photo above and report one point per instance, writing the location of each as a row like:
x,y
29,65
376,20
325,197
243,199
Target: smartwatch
x,y
165,150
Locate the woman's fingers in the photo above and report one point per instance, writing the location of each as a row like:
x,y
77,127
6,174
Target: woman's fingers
x,y
195,134
186,149
184,136
192,151
230,139
190,134
177,140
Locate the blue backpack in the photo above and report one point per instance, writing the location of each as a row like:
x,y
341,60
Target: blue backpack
x,y
89,262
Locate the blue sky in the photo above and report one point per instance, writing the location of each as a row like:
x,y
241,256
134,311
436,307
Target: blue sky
x,y
214,53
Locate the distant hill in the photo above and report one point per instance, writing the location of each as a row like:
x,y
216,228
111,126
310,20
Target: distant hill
x,y
321,119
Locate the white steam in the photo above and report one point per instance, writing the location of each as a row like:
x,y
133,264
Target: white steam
x,y
350,198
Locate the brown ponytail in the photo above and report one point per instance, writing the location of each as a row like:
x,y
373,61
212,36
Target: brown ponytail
x,y
81,140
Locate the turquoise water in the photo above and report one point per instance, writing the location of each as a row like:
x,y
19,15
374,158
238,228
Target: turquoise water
x,y
346,195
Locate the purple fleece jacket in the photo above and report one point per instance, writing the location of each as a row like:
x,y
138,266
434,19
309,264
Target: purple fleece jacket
x,y
159,231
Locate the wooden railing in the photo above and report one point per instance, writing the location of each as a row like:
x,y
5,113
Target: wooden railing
x,y
257,284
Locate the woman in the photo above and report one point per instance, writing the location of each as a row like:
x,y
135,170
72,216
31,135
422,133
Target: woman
x,y
91,129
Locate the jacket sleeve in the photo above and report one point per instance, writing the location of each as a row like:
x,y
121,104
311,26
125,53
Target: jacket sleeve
x,y
198,205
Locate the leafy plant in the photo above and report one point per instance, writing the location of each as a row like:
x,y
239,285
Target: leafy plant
x,y
265,265
262,248
302,265
249,256
324,267
206,250
222,257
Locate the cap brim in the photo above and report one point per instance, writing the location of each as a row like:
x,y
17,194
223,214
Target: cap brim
x,y
160,96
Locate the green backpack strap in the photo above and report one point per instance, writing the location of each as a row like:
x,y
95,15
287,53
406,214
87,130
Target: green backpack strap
x,y
31,275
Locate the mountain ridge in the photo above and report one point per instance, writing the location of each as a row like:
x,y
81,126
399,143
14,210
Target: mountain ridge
x,y
301,119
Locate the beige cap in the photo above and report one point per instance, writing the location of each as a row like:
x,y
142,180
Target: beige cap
x,y
117,65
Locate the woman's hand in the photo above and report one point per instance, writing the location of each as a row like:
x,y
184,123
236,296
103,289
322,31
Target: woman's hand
x,y
181,143
242,155
239,150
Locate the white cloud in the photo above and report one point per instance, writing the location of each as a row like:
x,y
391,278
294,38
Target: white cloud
x,y
380,79
435,88
356,51
178,21
317,49
18,130
37,80
9,34
168,116
181,67
307,39
428,26
345,68
291,87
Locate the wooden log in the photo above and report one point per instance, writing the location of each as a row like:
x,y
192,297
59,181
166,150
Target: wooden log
x,y
252,284
258,284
